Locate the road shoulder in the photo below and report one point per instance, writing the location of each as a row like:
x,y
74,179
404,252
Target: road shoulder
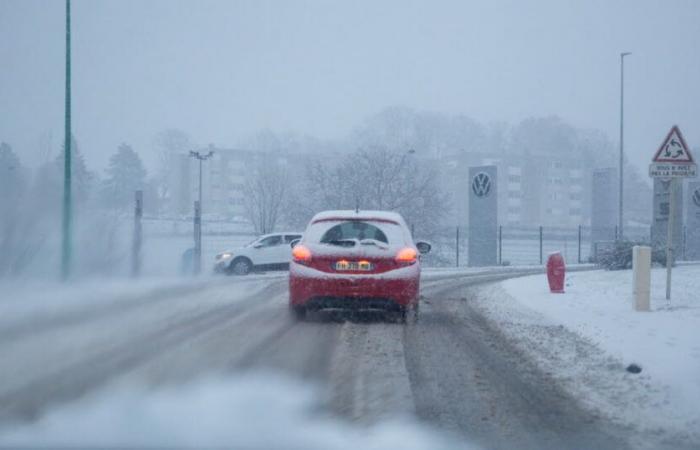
x,y
577,361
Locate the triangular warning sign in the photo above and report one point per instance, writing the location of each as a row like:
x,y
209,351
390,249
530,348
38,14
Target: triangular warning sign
x,y
674,149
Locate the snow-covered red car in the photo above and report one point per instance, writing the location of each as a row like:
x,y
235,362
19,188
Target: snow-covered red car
x,y
355,260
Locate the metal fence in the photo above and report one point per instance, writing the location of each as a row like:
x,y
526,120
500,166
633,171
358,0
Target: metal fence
x,y
168,241
531,245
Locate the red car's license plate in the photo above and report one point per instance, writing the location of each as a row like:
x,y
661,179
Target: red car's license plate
x,y
359,266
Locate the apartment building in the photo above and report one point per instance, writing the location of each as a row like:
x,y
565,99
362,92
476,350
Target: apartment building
x,y
532,190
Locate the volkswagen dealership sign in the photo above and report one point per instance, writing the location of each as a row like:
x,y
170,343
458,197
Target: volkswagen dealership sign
x,y
481,184
483,216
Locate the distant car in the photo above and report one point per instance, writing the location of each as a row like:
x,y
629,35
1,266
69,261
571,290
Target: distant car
x,y
361,260
270,251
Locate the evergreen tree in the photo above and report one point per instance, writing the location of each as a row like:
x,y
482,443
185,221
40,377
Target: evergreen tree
x,y
11,174
81,178
12,187
125,175
12,182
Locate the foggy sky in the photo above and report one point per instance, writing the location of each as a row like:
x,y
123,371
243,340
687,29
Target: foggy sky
x,y
221,70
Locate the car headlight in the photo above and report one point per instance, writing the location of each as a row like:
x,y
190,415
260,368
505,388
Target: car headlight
x,y
225,255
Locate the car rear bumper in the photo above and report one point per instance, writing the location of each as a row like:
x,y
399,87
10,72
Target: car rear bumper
x,y
315,289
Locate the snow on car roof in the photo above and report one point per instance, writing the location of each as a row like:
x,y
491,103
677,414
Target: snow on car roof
x,y
350,214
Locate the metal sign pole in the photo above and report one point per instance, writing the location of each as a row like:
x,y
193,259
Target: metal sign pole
x,y
669,236
136,248
197,263
671,161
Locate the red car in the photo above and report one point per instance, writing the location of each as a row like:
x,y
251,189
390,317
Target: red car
x,y
355,260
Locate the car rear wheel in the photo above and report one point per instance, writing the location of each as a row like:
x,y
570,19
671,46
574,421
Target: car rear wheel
x,y
408,314
240,266
298,312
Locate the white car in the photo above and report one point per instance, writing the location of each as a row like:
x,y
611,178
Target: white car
x,y
270,251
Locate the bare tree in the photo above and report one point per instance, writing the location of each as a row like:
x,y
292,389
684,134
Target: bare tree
x,y
265,193
375,178
169,143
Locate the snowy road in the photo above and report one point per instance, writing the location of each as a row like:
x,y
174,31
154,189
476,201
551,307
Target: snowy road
x,y
453,368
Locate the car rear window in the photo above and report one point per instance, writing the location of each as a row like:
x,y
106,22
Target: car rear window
x,y
354,230
341,232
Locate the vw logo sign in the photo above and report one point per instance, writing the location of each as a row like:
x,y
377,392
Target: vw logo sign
x,y
696,197
481,184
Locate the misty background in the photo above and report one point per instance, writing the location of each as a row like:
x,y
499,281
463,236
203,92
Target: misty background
x,y
392,97
223,70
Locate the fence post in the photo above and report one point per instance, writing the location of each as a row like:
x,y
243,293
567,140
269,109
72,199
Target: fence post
x,y
595,252
136,245
541,261
617,235
579,244
500,245
457,239
197,263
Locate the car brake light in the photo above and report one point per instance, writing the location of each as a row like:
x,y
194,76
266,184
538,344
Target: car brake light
x,y
301,254
407,256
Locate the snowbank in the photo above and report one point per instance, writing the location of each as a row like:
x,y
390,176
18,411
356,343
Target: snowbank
x,y
598,307
252,411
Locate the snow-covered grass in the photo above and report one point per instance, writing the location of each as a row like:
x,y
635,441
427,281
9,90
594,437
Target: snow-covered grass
x,y
21,298
598,307
252,411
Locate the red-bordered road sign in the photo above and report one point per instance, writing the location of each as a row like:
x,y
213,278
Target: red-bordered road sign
x,y
674,149
673,159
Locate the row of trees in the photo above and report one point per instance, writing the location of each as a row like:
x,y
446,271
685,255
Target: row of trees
x,y
124,174
390,162
31,200
375,178
372,165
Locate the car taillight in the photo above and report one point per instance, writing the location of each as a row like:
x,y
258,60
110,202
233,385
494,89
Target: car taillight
x,y
301,254
407,256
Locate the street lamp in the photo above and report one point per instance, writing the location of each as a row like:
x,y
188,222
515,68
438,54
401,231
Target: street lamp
x,y
197,267
201,158
620,223
67,233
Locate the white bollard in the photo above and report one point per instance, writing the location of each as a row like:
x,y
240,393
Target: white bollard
x,y
641,268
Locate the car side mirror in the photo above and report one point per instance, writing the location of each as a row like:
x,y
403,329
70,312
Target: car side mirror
x,y
294,243
258,245
423,247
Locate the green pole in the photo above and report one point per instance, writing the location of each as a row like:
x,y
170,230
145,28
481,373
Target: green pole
x,y
67,200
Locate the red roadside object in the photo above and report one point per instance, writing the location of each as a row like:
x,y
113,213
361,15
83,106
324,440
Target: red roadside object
x,y
556,271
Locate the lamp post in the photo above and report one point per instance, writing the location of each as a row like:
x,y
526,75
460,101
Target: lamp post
x,y
201,157
66,244
620,223
197,266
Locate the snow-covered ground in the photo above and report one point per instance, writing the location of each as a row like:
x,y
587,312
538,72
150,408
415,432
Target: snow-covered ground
x,y
252,411
589,335
22,299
